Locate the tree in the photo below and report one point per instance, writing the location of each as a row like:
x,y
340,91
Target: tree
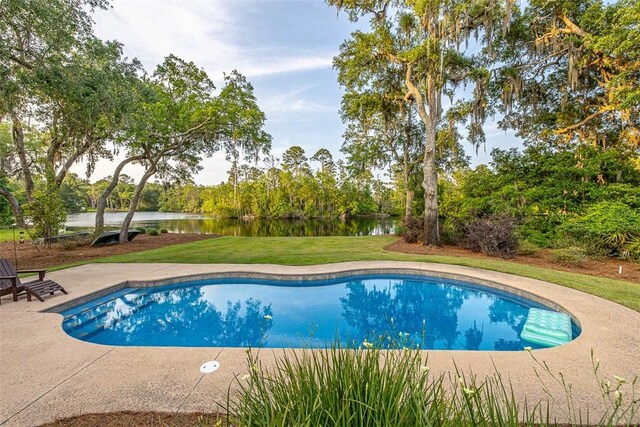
x,y
50,63
173,128
185,120
74,193
77,107
571,73
295,160
243,123
46,211
383,132
324,157
423,38
34,36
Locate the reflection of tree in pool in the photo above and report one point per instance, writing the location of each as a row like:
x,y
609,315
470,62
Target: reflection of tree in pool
x,y
404,308
473,337
502,310
504,345
189,319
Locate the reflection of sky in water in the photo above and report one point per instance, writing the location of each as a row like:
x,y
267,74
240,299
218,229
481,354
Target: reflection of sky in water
x,y
430,313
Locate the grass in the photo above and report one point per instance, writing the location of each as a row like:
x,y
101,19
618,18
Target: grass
x,y
6,234
384,387
324,250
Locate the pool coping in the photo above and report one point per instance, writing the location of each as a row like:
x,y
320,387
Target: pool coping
x,y
171,380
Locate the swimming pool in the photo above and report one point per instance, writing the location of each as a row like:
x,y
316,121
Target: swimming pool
x,y
387,310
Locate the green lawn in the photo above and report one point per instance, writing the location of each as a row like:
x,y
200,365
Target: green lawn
x,y
6,234
323,250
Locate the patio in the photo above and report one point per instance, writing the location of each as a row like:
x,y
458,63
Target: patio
x,y
46,374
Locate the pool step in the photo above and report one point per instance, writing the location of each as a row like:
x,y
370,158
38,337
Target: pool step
x,y
90,323
90,314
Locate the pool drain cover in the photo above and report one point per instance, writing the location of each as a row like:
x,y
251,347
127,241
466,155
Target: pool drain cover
x,y
209,366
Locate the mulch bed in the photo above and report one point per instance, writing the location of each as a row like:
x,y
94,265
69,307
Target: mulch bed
x,y
140,419
42,256
606,267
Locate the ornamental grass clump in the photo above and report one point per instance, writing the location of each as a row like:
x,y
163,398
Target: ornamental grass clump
x,y
384,387
368,387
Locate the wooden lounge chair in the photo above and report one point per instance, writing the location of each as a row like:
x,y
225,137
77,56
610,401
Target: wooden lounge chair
x,y
10,282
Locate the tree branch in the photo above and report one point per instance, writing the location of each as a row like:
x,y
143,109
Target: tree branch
x,y
585,121
573,27
183,134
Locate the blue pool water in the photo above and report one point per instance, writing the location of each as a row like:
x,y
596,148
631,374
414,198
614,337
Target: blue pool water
x,y
388,310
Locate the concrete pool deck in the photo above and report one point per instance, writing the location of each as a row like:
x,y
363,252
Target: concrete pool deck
x,y
45,374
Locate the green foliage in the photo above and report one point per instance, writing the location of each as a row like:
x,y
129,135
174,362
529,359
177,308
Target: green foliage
x,y
152,231
142,230
632,248
571,256
6,215
74,194
405,62
367,386
526,248
364,388
46,213
571,73
163,231
294,191
542,187
606,226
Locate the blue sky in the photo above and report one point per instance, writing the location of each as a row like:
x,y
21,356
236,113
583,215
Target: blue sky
x,y
285,48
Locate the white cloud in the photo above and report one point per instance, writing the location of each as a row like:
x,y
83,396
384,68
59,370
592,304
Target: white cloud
x,y
294,102
288,65
205,32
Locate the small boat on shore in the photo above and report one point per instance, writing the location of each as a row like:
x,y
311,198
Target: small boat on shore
x,y
110,237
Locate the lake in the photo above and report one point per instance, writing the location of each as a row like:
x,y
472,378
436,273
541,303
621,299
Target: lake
x,y
196,223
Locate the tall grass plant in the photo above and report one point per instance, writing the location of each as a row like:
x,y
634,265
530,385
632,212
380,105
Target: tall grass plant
x,y
339,386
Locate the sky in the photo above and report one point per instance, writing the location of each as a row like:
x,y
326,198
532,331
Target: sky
x,y
285,48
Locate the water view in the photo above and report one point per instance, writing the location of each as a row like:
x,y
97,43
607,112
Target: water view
x,y
195,223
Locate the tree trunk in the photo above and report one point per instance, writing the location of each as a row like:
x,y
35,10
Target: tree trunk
x,y
430,178
101,203
17,134
15,206
430,185
124,230
408,211
430,120
408,204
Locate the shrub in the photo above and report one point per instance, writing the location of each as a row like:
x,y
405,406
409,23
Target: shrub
x,y
632,249
46,212
164,231
142,230
605,228
411,229
572,256
493,235
152,232
526,248
69,244
537,238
